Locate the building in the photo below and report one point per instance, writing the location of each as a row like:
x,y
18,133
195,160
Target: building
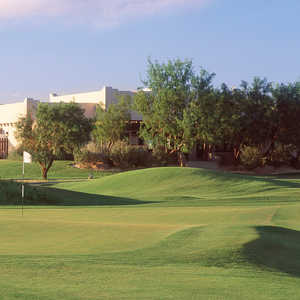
x,y
10,113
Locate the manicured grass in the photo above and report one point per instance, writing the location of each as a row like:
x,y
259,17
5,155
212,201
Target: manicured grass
x,y
179,234
188,187
10,169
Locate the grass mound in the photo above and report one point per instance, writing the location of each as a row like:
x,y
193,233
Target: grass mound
x,y
189,186
161,186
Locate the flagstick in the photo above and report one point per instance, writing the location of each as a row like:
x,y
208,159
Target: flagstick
x,y
26,159
23,188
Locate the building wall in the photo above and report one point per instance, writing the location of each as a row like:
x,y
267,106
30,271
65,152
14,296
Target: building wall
x,y
9,116
10,113
114,99
90,97
106,96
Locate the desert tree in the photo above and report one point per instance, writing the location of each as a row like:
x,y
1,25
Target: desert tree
x,y
165,104
111,124
56,128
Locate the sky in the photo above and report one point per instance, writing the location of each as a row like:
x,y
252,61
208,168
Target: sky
x,y
68,46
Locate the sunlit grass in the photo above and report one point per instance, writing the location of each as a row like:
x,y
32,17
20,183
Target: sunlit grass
x,y
165,233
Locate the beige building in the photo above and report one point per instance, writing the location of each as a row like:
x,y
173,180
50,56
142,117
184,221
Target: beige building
x,y
106,96
10,113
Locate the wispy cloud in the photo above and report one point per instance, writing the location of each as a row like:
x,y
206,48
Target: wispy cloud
x,y
100,12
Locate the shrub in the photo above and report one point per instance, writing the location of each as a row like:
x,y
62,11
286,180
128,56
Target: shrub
x,y
120,155
251,157
126,156
86,157
163,157
281,155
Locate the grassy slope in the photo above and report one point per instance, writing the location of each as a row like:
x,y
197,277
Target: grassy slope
x,y
171,249
189,186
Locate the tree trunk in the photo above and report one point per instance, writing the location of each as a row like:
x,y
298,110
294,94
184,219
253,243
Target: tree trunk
x,y
236,155
181,159
205,155
44,173
236,152
45,168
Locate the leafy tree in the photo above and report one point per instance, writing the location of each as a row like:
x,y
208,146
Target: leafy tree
x,y
259,116
230,108
287,98
111,125
57,128
166,109
247,116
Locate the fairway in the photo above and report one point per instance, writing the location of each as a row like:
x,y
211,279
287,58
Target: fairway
x,y
163,233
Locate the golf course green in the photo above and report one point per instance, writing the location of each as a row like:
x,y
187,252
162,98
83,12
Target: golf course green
x,y
160,233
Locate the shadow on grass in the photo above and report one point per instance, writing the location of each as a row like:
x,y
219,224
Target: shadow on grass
x,y
229,178
276,248
10,194
72,198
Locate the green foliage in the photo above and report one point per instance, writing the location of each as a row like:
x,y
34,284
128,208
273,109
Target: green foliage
x,y
57,128
111,125
161,156
127,156
86,157
251,157
287,97
167,108
120,155
281,155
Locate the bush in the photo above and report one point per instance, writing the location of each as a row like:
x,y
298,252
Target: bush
x,y
282,155
126,156
86,157
251,157
162,157
120,155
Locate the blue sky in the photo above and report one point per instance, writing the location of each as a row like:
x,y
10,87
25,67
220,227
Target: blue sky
x,y
67,46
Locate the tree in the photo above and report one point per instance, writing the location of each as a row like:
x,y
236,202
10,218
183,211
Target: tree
x,y
166,108
287,99
259,117
111,125
57,128
247,115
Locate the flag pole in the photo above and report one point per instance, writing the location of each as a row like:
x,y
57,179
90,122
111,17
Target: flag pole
x,y
27,159
23,186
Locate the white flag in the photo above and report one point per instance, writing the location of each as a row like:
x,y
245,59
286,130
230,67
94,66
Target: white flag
x,y
27,158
